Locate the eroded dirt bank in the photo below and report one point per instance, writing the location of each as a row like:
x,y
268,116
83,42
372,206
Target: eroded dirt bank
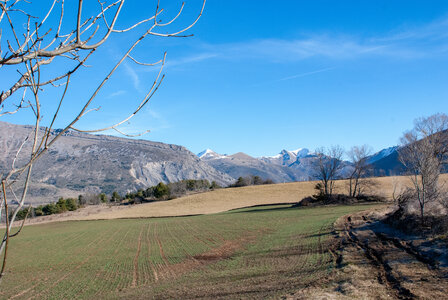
x,y
374,261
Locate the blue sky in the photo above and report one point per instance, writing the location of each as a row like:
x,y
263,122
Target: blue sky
x,y
261,76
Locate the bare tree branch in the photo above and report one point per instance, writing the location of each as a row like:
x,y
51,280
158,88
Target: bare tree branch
x,y
326,170
423,153
32,48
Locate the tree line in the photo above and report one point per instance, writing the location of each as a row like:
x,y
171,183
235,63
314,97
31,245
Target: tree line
x,y
62,205
328,168
158,192
167,191
250,180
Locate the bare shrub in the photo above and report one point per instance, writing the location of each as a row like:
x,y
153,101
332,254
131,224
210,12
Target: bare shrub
x,y
358,156
424,151
327,168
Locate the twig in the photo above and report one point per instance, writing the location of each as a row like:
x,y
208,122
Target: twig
x,y
23,222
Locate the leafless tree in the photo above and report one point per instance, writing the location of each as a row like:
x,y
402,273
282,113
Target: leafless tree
x,y
424,151
358,156
46,51
327,168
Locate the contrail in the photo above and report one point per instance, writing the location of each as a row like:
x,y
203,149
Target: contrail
x,y
304,74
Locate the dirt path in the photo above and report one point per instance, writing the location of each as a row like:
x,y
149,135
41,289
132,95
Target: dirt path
x,y
373,261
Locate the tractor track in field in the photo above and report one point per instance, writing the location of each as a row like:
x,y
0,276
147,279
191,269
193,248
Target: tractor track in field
x,y
152,266
137,254
108,274
195,233
398,269
253,255
321,249
374,252
225,251
166,263
373,261
404,269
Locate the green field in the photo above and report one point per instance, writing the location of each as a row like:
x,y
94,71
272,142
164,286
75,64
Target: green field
x,y
256,252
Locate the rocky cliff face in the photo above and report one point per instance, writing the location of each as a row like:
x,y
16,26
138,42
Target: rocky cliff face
x,y
83,163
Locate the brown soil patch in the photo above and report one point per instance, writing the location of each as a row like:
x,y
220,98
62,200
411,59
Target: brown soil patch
x,y
225,251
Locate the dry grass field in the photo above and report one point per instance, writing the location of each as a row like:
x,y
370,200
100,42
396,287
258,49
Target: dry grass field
x,y
233,198
224,200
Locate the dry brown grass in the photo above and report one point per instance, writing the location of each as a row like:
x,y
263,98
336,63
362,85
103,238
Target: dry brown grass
x,y
227,199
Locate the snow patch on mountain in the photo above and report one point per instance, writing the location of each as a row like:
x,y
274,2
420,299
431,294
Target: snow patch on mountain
x,y
301,152
285,157
210,154
381,154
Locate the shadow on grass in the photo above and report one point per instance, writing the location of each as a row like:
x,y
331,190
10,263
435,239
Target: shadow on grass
x,y
265,208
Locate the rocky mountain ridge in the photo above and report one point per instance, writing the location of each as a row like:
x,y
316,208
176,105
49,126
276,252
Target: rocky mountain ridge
x,y
83,163
293,165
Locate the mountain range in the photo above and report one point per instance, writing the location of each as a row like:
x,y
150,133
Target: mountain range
x,y
290,165
81,163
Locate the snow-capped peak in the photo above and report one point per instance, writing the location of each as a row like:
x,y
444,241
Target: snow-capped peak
x,y
301,152
209,154
286,157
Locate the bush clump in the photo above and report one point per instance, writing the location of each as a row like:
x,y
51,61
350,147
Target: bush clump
x,y
62,205
250,180
166,191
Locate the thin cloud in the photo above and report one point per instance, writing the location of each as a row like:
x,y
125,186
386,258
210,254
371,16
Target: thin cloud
x,y
331,47
196,58
435,30
304,74
157,120
410,43
133,75
148,120
191,59
116,94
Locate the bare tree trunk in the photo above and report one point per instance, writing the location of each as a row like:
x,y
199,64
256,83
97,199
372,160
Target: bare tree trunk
x,y
350,186
5,254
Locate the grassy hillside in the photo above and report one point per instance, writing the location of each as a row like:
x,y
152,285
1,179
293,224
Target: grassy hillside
x,y
254,252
